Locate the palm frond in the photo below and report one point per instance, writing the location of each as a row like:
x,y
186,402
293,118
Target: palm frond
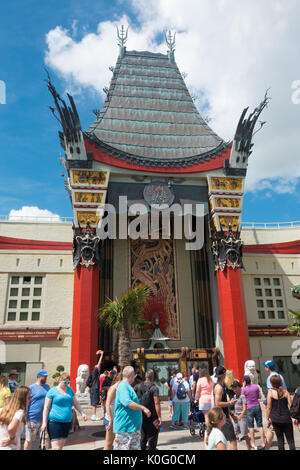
x,y
112,313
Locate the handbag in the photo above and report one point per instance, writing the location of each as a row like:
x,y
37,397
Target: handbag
x,y
43,441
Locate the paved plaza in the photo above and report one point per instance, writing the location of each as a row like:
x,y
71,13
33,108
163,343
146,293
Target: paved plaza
x,y
92,437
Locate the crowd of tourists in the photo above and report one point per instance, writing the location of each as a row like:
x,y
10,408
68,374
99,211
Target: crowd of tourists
x,y
230,410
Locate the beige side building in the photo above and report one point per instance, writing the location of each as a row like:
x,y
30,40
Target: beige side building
x,y
36,296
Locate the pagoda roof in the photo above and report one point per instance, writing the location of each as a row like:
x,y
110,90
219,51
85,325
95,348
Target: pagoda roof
x,y
149,114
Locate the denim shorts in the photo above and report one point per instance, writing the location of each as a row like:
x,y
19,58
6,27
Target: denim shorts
x,y
58,431
254,413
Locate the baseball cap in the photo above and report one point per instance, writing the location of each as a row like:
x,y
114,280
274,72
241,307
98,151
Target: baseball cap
x,y
42,373
269,364
220,370
179,376
236,383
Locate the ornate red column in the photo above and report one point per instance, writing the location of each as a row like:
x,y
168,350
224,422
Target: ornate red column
x,y
227,249
234,320
85,302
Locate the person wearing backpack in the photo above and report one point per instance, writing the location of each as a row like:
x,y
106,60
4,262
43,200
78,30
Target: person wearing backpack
x,y
181,396
148,395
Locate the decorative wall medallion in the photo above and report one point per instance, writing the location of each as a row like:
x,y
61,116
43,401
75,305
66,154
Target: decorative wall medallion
x,y
159,194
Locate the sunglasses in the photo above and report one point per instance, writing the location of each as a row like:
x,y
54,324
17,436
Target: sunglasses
x,y
67,382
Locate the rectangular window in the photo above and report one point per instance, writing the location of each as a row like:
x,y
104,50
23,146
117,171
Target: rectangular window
x,y
35,316
271,298
23,316
24,303
11,316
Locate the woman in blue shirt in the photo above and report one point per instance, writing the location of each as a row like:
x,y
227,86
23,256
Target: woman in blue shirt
x,y
57,415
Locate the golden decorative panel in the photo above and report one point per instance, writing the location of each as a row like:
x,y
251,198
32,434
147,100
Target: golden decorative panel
x,y
84,216
225,221
229,203
90,178
153,265
226,184
88,197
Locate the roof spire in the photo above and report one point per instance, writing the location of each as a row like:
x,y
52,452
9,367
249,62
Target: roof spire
x,y
170,40
122,38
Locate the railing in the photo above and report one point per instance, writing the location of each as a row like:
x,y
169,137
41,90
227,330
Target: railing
x,y
270,225
31,218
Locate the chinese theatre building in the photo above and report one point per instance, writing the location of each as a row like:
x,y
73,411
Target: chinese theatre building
x,y
147,150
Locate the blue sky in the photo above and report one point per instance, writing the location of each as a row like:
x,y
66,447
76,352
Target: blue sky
x,y
29,146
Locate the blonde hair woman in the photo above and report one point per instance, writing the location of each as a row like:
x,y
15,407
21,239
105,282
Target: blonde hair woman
x,y
57,415
13,419
110,411
214,438
4,391
229,379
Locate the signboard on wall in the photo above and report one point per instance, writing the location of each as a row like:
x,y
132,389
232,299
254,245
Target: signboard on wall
x,y
30,335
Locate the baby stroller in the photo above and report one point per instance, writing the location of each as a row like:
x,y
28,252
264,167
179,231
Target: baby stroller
x,y
196,421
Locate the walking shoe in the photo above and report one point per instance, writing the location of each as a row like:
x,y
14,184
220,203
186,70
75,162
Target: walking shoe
x,y
94,418
186,428
173,427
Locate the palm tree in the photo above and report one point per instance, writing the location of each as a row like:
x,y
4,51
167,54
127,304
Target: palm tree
x,y
294,321
125,315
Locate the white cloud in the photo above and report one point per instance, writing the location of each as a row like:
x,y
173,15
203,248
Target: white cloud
x,y
33,214
232,51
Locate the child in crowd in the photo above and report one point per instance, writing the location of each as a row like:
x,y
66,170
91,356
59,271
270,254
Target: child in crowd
x,y
240,411
214,438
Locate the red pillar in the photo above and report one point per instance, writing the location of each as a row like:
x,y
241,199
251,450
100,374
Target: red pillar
x,y
234,320
85,321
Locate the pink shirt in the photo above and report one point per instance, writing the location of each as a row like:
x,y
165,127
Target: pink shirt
x,y
204,390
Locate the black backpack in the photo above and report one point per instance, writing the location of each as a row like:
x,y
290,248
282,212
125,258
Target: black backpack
x,y
295,408
144,395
